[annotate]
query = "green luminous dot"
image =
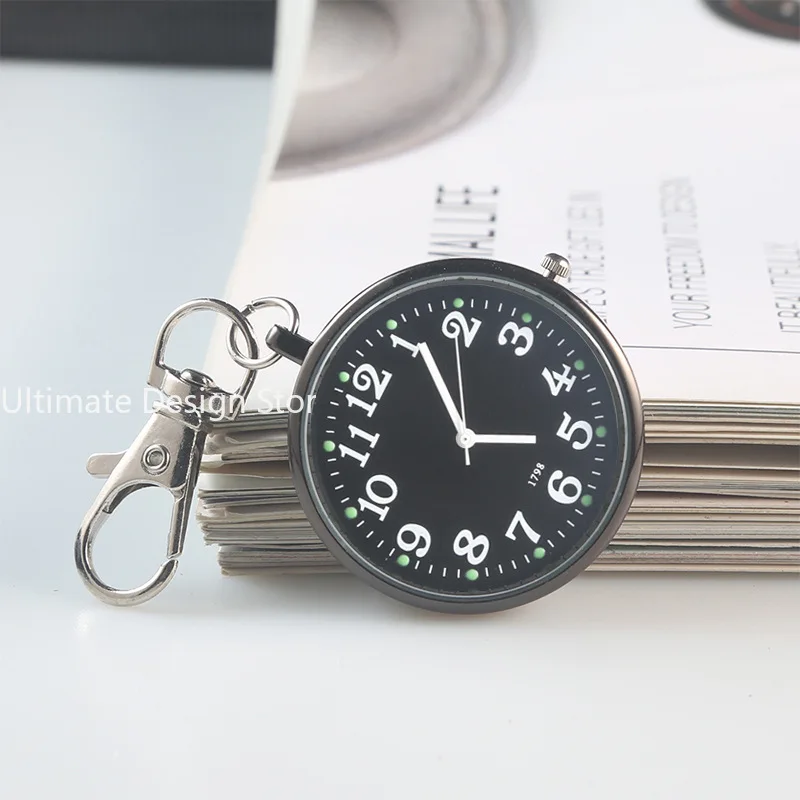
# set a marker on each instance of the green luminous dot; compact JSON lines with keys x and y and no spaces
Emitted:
{"x":539,"y":552}
{"x":586,"y":500}
{"x":403,"y":560}
{"x":344,"y":376}
{"x":328,"y":446}
{"x":350,"y":512}
{"x":458,"y":302}
{"x":391,"y":324}
{"x":526,"y":317}
{"x":579,"y":364}
{"x":601,"y":431}
{"x":471,"y":574}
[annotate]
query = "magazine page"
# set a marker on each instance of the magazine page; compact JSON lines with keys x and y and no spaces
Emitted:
{"x":678,"y":207}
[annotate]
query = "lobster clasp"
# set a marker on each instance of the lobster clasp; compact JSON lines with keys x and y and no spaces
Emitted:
{"x":166,"y":454}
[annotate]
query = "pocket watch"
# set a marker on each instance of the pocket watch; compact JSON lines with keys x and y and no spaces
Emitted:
{"x":474,"y":437}
{"x":471,"y":436}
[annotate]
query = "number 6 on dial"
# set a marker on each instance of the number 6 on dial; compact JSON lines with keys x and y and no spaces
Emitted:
{"x":559,"y":493}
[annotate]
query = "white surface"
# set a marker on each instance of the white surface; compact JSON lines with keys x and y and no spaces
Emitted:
{"x":656,"y":688}
{"x":621,"y":687}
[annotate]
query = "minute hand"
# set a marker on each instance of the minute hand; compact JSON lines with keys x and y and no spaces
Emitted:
{"x":441,"y":387}
{"x":501,"y":438}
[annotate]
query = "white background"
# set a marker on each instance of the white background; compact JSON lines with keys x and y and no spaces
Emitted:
{"x":117,"y":208}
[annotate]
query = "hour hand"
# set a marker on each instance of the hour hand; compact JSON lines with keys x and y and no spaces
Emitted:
{"x":499,"y":438}
{"x":441,"y":387}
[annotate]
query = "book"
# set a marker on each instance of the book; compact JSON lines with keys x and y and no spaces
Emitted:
{"x":670,"y":186}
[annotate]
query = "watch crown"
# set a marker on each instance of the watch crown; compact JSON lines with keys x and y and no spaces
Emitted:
{"x":555,"y":266}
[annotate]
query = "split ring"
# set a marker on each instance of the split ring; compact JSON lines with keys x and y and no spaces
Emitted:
{"x":262,"y":302}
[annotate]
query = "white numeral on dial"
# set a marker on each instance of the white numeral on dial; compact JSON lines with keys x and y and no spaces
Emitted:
{"x":362,"y":458}
{"x":359,"y":403}
{"x":511,"y":332}
{"x":475,"y":548}
{"x":380,"y":500}
{"x":559,"y":493}
{"x":414,"y":537}
{"x":558,"y":380}
{"x":357,"y":433}
{"x":398,"y":341}
{"x":455,"y":324}
{"x":567,"y":430}
{"x":366,"y":377}
{"x":520,"y":520}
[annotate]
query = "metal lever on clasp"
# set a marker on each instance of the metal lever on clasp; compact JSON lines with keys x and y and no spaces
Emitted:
{"x":166,"y":454}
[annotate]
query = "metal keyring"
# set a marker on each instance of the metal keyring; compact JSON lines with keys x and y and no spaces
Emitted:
{"x":251,"y":308}
{"x":238,"y":320}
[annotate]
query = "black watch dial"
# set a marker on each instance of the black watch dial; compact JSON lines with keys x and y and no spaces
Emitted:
{"x":468,"y":438}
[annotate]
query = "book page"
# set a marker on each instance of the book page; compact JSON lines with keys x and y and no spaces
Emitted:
{"x":677,"y":202}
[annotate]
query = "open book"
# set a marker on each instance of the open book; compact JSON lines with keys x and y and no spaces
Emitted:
{"x":671,"y":183}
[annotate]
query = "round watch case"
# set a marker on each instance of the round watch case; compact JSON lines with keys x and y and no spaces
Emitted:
{"x":315,"y":363}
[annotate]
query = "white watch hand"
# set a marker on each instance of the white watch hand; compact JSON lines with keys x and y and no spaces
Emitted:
{"x":500,"y":438}
{"x":438,"y":382}
{"x":461,"y":397}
